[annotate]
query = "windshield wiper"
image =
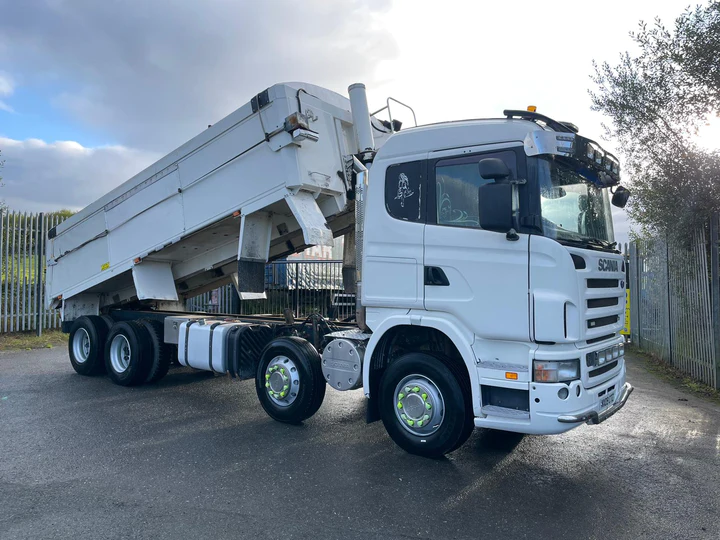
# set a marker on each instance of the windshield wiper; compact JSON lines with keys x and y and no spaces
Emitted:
{"x":586,"y":243}
{"x":603,"y":243}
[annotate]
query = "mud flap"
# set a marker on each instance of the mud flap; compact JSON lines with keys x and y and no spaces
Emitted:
{"x":255,"y":232}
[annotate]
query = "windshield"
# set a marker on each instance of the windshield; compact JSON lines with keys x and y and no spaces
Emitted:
{"x":573,"y":208}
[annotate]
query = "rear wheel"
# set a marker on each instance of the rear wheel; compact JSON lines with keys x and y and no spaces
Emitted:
{"x":128,"y":353}
{"x":86,"y":343}
{"x":161,"y":353}
{"x":423,"y":405}
{"x":289,"y":380}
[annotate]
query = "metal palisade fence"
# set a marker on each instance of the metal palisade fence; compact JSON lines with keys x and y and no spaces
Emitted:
{"x":674,"y":302}
{"x":303,"y":286}
{"x":23,"y":264}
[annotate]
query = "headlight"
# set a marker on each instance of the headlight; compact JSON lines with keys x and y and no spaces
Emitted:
{"x":551,"y":372}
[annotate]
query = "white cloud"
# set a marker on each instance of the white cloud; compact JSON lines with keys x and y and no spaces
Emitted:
{"x":152,"y":74}
{"x":7,"y":87}
{"x":40,"y":176}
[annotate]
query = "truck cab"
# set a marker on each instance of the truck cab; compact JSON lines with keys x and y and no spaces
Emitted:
{"x":496,"y":238}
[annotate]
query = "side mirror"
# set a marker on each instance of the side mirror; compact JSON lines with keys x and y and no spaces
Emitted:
{"x":493,"y":169}
{"x":495,"y":206}
{"x":620,"y":197}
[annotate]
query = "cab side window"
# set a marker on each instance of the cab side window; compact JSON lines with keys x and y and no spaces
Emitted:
{"x":456,"y":188}
{"x":404,"y":197}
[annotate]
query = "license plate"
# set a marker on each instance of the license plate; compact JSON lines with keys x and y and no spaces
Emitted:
{"x":607,"y":400}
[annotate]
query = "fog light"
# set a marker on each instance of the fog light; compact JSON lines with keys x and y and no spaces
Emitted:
{"x":563,"y":393}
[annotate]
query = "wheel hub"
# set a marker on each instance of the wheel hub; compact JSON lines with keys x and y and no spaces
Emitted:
{"x":419,"y":405}
{"x":279,"y":382}
{"x":282,"y":381}
{"x":120,"y":353}
{"x":81,"y":346}
{"x":414,"y":407}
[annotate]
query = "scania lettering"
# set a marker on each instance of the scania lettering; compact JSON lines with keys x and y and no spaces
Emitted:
{"x":607,"y":265}
{"x":488,"y":289}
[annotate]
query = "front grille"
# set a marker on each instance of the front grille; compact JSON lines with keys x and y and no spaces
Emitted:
{"x":604,"y":369}
{"x":602,"y":321}
{"x":597,"y":283}
{"x":602,"y":302}
{"x":599,"y":339}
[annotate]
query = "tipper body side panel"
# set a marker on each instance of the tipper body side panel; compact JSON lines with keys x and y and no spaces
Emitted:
{"x":185,"y":211}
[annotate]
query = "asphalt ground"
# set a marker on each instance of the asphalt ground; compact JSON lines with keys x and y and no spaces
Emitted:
{"x":195,"y":456}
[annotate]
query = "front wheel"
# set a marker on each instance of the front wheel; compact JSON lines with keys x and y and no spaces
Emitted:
{"x":289,"y":380}
{"x":423,"y":405}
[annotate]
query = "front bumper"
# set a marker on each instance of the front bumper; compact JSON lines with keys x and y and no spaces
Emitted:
{"x":550,"y":414}
{"x":594,"y":417}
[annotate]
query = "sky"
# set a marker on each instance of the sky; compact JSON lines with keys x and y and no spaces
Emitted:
{"x":93,"y":92}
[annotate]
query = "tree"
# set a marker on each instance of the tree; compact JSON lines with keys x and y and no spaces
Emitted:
{"x":657,"y":100}
{"x":63,"y":214}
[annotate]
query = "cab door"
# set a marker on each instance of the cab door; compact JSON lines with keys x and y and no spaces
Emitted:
{"x":480,"y":277}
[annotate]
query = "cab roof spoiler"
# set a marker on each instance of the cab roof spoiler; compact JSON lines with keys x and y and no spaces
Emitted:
{"x":563,"y":127}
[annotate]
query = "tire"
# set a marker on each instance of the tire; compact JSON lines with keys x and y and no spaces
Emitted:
{"x":161,"y":353}
{"x":128,"y":353}
{"x":108,"y":321}
{"x":432,"y":415}
{"x":86,"y":345}
{"x":464,"y":380}
{"x":288,"y":353}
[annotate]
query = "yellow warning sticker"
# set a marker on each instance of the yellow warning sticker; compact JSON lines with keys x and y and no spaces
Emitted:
{"x":105,"y":267}
{"x":626,"y":329}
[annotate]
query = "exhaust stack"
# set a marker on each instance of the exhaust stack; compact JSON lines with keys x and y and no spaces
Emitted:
{"x":361,"y":118}
{"x":366,"y":148}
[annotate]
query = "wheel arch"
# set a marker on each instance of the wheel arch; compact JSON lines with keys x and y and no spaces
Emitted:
{"x":378,"y":354}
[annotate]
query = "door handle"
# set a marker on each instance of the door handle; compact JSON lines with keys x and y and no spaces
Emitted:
{"x":434,"y":275}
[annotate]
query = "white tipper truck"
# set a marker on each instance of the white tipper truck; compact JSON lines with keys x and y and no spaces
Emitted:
{"x":489,"y":290}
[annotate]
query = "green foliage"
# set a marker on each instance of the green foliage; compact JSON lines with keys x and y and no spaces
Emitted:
{"x":62,"y":214}
{"x":656,"y":101}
